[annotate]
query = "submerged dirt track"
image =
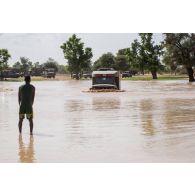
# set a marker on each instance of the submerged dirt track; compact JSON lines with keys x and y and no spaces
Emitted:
{"x":152,"y":121}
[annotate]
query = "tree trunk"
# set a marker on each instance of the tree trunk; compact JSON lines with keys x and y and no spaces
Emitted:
{"x":142,"y":70}
{"x":77,"y":76}
{"x":154,"y":74}
{"x":1,"y":76}
{"x":190,"y":72}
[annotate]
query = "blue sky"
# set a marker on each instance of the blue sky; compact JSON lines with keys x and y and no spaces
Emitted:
{"x":41,"y":46}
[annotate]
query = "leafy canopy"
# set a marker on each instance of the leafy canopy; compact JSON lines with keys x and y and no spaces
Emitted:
{"x":181,"y":48}
{"x":4,"y":57}
{"x":51,"y":63}
{"x":107,"y":60}
{"x":78,"y":57}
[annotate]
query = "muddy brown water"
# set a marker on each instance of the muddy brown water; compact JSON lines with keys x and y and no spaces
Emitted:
{"x":153,"y":121}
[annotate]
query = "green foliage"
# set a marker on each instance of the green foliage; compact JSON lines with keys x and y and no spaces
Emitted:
{"x":121,"y":62}
{"x":24,"y":64}
{"x":17,"y":65}
{"x":168,"y":61}
{"x":78,"y":57}
{"x":37,"y":65}
{"x":134,"y":56}
{"x":51,"y":63}
{"x":180,"y":48}
{"x":4,"y":57}
{"x":145,"y":55}
{"x":62,"y":69}
{"x":107,"y":60}
{"x":150,"y":53}
{"x":122,"y":51}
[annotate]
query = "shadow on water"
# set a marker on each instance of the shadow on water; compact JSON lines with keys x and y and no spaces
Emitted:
{"x":26,"y":153}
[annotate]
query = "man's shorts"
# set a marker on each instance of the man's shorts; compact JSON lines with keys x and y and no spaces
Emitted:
{"x":26,"y":110}
{"x":28,"y":116}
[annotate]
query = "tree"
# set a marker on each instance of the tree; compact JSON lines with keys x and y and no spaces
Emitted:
{"x":181,"y":49}
{"x":4,"y":57}
{"x":134,"y":56}
{"x":37,"y":65}
{"x":51,"y":63}
{"x":121,"y":62}
{"x":150,"y":54}
{"x":107,"y":60}
{"x":122,"y":51}
{"x":17,"y":65}
{"x":169,"y":62}
{"x":24,"y":64}
{"x":62,"y":69}
{"x":78,"y":57}
{"x":145,"y":55}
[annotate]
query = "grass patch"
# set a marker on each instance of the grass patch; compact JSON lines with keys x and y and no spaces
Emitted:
{"x":40,"y":78}
{"x":160,"y":77}
{"x":147,"y":77}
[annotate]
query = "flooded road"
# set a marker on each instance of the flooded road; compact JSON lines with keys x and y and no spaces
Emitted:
{"x":153,"y":121}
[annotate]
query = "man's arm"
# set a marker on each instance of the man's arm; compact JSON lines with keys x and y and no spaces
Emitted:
{"x":19,"y":96}
{"x":33,"y":95}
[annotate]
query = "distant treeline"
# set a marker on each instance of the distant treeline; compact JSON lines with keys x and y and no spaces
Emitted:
{"x":175,"y":52}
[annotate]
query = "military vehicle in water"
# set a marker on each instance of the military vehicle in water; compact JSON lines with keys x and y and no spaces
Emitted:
{"x":49,"y":73}
{"x":36,"y":72}
{"x":106,"y":78}
{"x":126,"y":74}
{"x":10,"y":73}
{"x":87,"y":75}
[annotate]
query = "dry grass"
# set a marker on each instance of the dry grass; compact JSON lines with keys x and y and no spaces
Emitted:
{"x":59,"y":77}
{"x":64,"y":77}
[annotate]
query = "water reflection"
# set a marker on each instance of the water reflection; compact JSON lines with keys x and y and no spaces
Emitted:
{"x":108,"y":103}
{"x":74,"y":113}
{"x":150,"y":122}
{"x":26,"y":153}
{"x":74,"y":105}
{"x":147,"y":108}
{"x":179,"y":115}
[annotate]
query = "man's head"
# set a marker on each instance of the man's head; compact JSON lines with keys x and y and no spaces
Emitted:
{"x":27,"y":79}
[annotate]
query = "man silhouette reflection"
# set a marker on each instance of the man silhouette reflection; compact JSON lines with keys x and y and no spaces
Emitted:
{"x":26,"y":153}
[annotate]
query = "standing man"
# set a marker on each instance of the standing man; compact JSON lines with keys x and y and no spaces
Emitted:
{"x":26,"y":96}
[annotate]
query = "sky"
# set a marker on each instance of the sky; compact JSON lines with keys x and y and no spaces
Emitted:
{"x":38,"y":47}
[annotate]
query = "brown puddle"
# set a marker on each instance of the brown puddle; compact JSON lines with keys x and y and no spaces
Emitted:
{"x":152,"y":121}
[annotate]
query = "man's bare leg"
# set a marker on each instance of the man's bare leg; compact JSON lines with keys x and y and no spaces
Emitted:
{"x":31,"y":125}
{"x":20,"y":125}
